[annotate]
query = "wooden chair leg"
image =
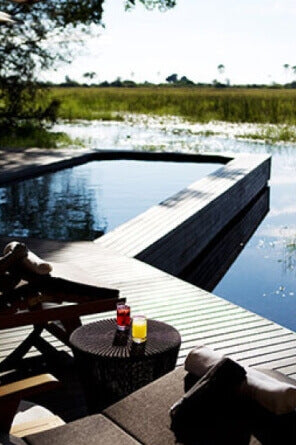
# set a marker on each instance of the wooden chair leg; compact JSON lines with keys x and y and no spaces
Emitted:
{"x":14,"y":358}
{"x":63,"y":329}
{"x":70,"y":324}
{"x":7,"y":413}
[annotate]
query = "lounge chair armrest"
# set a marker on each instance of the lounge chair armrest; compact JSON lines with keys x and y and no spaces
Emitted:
{"x":29,"y":386}
{"x":12,"y":393}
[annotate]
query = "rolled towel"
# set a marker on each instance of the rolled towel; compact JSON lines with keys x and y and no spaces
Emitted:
{"x":277,"y":397}
{"x":31,"y":261}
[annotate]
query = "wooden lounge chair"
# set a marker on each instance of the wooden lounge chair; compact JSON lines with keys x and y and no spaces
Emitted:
{"x":55,"y":303}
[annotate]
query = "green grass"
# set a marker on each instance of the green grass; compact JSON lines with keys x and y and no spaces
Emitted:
{"x":273,"y":134}
{"x":262,"y":106}
{"x":28,"y":136}
{"x":195,"y":104}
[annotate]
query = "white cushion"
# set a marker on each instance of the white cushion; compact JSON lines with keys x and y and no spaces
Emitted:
{"x":277,"y":396}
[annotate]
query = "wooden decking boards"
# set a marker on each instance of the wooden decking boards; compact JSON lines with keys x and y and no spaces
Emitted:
{"x":200,"y":316}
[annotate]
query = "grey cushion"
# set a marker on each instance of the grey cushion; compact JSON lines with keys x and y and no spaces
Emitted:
{"x":145,"y":413}
{"x":91,"y":430}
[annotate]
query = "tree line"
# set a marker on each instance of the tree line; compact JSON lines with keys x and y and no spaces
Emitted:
{"x":173,"y":80}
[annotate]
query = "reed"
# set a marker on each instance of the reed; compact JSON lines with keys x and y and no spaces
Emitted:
{"x":195,"y":104}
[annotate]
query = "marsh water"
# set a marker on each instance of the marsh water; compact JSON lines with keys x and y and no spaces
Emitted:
{"x":262,"y":277}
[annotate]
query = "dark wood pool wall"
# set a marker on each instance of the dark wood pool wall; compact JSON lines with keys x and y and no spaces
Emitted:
{"x":171,"y":234}
{"x":210,"y":266}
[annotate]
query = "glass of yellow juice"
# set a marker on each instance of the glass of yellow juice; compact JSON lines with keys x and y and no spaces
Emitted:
{"x":139,"y":328}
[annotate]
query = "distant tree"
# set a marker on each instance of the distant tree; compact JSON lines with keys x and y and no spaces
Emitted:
{"x":286,"y":67}
{"x":185,"y":81}
{"x":116,"y":83}
{"x":293,"y":68}
{"x":173,"y":78}
{"x":90,"y":75}
{"x":70,"y":82}
{"x":218,"y":84}
{"x":128,"y":83}
{"x":221,"y":68}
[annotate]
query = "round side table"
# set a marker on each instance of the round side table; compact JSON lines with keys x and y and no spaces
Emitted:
{"x":111,"y":366}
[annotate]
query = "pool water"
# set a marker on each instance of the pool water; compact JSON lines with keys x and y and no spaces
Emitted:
{"x":84,"y":202}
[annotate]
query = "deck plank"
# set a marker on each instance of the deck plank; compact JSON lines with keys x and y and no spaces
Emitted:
{"x":200,"y":316}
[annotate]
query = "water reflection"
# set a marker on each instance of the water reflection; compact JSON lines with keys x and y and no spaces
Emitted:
{"x":289,"y":256}
{"x":211,"y":265}
{"x":52,"y":206}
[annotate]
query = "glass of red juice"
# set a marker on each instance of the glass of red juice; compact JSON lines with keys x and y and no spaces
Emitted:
{"x":123,"y":316}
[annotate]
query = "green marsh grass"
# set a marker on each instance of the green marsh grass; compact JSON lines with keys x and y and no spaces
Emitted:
{"x":273,"y":134}
{"x":195,"y":104}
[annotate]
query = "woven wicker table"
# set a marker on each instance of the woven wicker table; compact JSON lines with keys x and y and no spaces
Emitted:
{"x":111,"y":366}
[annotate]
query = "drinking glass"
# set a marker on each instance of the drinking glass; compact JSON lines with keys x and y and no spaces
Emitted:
{"x":123,"y":316}
{"x":139,"y":328}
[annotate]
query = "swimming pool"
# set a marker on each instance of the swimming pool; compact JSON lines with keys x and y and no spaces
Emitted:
{"x":86,"y":201}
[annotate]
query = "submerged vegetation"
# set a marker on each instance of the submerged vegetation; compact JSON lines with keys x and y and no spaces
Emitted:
{"x":271,"y":134}
{"x":195,"y":104}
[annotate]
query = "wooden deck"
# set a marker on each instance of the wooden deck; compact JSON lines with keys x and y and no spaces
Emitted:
{"x":201,"y":317}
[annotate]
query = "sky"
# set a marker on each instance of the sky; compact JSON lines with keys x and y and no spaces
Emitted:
{"x":252,"y":39}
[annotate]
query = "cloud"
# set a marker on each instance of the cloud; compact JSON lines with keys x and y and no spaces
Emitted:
{"x":283,"y":179}
{"x":285,"y":7}
{"x":289,"y":210}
